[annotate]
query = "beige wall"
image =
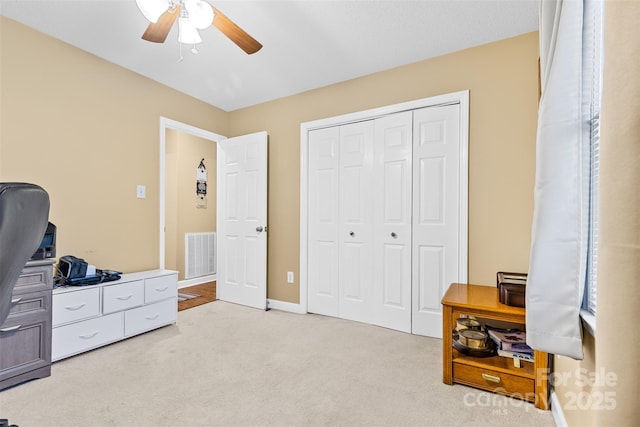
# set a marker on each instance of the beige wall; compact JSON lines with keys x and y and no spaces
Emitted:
{"x":502,"y":79}
{"x":619,"y":256}
{"x":568,"y":382}
{"x":87,"y":131}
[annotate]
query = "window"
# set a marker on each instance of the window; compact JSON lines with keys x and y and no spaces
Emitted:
{"x":593,"y":48}
{"x":590,"y":300}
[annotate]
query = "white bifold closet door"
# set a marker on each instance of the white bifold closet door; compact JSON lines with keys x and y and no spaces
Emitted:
{"x":356,"y":228}
{"x":436,"y":213}
{"x":383,"y":218}
{"x":323,"y":247}
{"x":360,"y":221}
{"x":392,"y":222}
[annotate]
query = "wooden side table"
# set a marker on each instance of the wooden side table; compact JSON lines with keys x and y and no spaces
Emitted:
{"x":496,"y":373}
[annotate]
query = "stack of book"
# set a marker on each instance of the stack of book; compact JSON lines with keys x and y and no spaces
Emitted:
{"x":511,"y":343}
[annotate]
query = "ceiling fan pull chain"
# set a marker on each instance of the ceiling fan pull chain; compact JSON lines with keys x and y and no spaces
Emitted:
{"x":180,"y":50}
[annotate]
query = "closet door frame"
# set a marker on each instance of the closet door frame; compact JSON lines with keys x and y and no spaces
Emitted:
{"x":461,"y":98}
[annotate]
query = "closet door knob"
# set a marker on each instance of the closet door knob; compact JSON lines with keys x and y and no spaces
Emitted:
{"x":351,"y":233}
{"x":394,"y":235}
{"x":259,"y":229}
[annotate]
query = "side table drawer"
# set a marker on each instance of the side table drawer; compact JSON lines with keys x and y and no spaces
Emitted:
{"x":77,"y":337}
{"x":78,"y":305}
{"x":494,"y":381}
{"x":122,"y":296}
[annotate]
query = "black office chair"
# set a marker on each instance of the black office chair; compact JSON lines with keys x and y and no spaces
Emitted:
{"x":24,"y":215}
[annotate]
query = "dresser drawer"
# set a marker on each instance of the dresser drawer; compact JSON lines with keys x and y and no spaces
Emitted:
{"x":78,"y":337}
{"x":497,"y":382}
{"x":77,"y":305}
{"x":122,"y":296}
{"x":32,"y":303}
{"x":159,"y":288}
{"x":34,"y":279}
{"x":150,"y":316}
{"x":24,"y":344}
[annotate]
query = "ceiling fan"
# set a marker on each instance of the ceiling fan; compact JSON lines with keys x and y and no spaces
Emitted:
{"x":191,"y":15}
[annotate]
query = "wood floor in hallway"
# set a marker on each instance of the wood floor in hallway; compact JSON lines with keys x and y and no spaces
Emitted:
{"x":206,"y":292}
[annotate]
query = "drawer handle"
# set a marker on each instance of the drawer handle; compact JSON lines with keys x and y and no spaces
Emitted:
{"x":16,"y":300}
{"x":162,"y":289}
{"x":89,"y":336}
{"x":125,"y":298}
{"x":492,"y":378}
{"x":11,"y":328}
{"x":154,"y":317}
{"x":75,"y":307}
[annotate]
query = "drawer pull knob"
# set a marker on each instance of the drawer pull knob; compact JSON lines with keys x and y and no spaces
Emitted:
{"x":75,"y":307}
{"x":89,"y":336}
{"x":162,"y":289}
{"x":16,"y":300}
{"x":11,"y":328}
{"x":492,"y":378}
{"x":154,"y":317}
{"x":125,"y":297}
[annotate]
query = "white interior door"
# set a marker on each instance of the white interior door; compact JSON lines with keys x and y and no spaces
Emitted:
{"x":392,"y":221}
{"x":436,"y":213}
{"x":242,"y":220}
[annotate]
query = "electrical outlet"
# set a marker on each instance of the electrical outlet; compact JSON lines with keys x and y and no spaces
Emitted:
{"x":289,"y":276}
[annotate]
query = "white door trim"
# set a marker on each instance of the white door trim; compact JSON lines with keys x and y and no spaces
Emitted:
{"x":166,"y":123}
{"x":461,"y":98}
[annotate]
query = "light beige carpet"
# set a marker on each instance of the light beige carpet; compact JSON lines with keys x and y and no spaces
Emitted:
{"x":229,"y":365}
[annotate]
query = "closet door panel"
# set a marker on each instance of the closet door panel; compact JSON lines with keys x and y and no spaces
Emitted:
{"x":436,"y":208}
{"x":392,"y":221}
{"x":355,"y":205}
{"x":323,"y":245}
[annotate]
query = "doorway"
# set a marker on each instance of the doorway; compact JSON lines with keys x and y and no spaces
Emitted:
{"x":240,"y":202}
{"x":181,"y":209}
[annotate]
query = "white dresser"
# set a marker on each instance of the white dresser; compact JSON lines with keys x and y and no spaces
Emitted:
{"x":87,"y":317}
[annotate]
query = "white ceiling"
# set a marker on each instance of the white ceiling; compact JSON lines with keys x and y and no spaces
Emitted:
{"x":307,"y":44}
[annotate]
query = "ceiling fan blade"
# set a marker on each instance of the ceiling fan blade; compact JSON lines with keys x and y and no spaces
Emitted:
{"x":235,"y":33}
{"x":159,"y":31}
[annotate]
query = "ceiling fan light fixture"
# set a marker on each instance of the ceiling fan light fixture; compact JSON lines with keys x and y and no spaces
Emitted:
{"x":152,"y":9}
{"x":187,"y":32}
{"x":191,"y":16}
{"x":200,"y":13}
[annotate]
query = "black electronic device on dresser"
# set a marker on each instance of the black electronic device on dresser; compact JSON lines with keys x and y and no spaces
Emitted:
{"x":47,"y":248}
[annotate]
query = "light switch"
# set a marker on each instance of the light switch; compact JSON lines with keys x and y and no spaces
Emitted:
{"x":289,"y":276}
{"x":141,"y":192}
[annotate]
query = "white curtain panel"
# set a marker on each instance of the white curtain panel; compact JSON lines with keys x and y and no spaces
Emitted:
{"x":559,"y":237}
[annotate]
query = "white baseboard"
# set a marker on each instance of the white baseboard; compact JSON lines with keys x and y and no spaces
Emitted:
{"x":196,"y":281}
{"x":285,"y":306}
{"x":556,"y":411}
